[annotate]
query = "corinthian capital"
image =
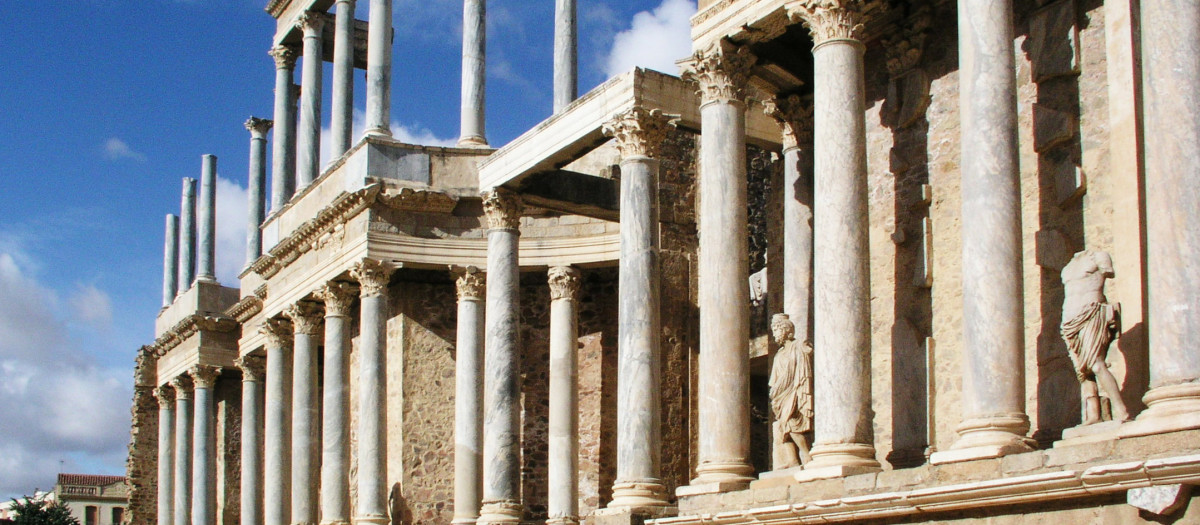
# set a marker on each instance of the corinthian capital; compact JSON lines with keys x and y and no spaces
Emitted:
{"x":372,"y":276}
{"x":469,"y":283}
{"x":204,"y":376}
{"x":337,"y":297}
{"x":721,"y":72}
{"x":258,"y":127}
{"x":828,"y":19}
{"x":639,"y":132}
{"x":564,"y":282}
{"x":278,"y":332}
{"x":252,"y":368}
{"x":182,"y":384}
{"x":305,"y":316}
{"x":165,"y":396}
{"x":503,"y":209}
{"x":285,"y":56}
{"x":312,"y":23}
{"x":795,"y":116}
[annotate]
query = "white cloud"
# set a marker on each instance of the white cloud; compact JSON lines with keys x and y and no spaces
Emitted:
{"x":655,"y":40}
{"x":233,"y":201}
{"x":117,"y":149}
{"x":93,"y":306}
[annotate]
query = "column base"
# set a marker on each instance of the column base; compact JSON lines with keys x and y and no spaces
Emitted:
{"x":378,"y":132}
{"x":638,"y":495}
{"x":986,"y":438}
{"x":611,"y":516}
{"x":1169,"y":408}
{"x":859,"y":457}
{"x":336,"y":522}
{"x":472,"y":141}
{"x":372,"y":519}
{"x":563,"y":520}
{"x":500,"y":511}
{"x":724,"y":473}
{"x":463,"y":521}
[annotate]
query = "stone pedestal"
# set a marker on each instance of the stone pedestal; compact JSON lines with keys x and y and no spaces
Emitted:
{"x":277,"y":441}
{"x":474,"y":63}
{"x":468,"y":397}
{"x":251,"y":481}
{"x":284,"y":147}
{"x":335,"y":405}
{"x":204,"y":446}
{"x":566,"y":75}
{"x":256,"y":187}
{"x":373,"y":277}
{"x":166,"y":452}
{"x":563,"y":471}
{"x":379,"y":68}
{"x":308,"y":133}
{"x":306,"y":439}
{"x":182,"y":507}
{"x":341,"y":118}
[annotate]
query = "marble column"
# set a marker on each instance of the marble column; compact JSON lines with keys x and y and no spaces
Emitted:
{"x":182,"y":488}
{"x":306,"y":440}
{"x":335,"y":406}
{"x":308,"y":133}
{"x":794,"y":115}
{"x":283,"y":150}
{"x":170,"y":260}
{"x":844,"y":439}
{"x":187,"y":236}
{"x":206,"y":225}
{"x":341,"y":116}
{"x":166,"y":452}
{"x":204,"y":446}
{"x":256,"y":182}
{"x":639,"y":134}
{"x":373,"y":278}
{"x":993,"y":360}
{"x":252,"y":439}
{"x":468,"y":396}
{"x":277,"y":441}
{"x":474,"y":63}
{"x":566,"y":73}
{"x":563,"y":457}
{"x":724,"y":369}
{"x":502,"y":355}
{"x":379,"y":68}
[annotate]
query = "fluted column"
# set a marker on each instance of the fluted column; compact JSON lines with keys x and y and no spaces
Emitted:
{"x":468,"y":397}
{"x":502,"y":355}
{"x":308,"y":134}
{"x":306,"y":440}
{"x":166,"y":452}
{"x":256,"y":182}
{"x":639,"y":134}
{"x":283,"y":150}
{"x":794,"y":115}
{"x":277,"y":441}
{"x":566,"y":72}
{"x":204,"y":446}
{"x":373,"y":277}
{"x":335,"y":405}
{"x":170,"y":260}
{"x":182,"y":508}
{"x":724,"y":383}
{"x":379,"y":68}
{"x":252,"y":439}
{"x":187,"y":236}
{"x":993,"y":365}
{"x":563,"y":459}
{"x":341,"y":116}
{"x":474,"y":80}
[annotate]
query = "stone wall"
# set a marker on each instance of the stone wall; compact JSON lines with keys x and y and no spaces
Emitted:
{"x":228,"y":397}
{"x":141,"y":465}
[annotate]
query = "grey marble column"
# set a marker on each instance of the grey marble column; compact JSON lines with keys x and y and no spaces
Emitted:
{"x":308,"y":133}
{"x":502,"y":355}
{"x":379,"y":68}
{"x":206,"y":225}
{"x":468,"y":397}
{"x":843,"y":436}
{"x":277,"y":441}
{"x":1170,"y":75}
{"x":187,"y":237}
{"x":794,"y":115}
{"x":252,"y":439}
{"x":724,"y":369}
{"x":166,"y":452}
{"x":566,"y":73}
{"x":639,"y":134}
{"x":474,"y":79}
{"x":306,"y":439}
{"x":183,"y":450}
{"x":335,"y":406}
{"x":284,"y":148}
{"x":170,"y":260}
{"x":563,"y":456}
{"x":256,"y":182}
{"x":204,"y":446}
{"x":341,"y":116}
{"x":373,"y":278}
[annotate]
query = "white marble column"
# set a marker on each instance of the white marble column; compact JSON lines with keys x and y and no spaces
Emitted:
{"x":566,"y":73}
{"x":204,"y":446}
{"x":187,"y":236}
{"x":795,"y":115}
{"x":283,"y":150}
{"x":639,"y":134}
{"x":502,"y":355}
{"x":379,"y":68}
{"x":277,"y":441}
{"x":166,"y":452}
{"x":372,"y":504}
{"x":563,"y":454}
{"x":252,"y":439}
{"x":724,"y":369}
{"x":170,"y":260}
{"x":843,"y":435}
{"x":468,"y":396}
{"x":308,"y":133}
{"x":183,"y":450}
{"x":206,"y":225}
{"x":474,"y":79}
{"x":256,"y":182}
{"x":335,"y":405}
{"x":306,"y":419}
{"x":341,"y":116}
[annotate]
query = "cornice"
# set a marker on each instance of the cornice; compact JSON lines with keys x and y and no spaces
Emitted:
{"x":305,"y":238}
{"x":245,"y":309}
{"x":188,"y":327}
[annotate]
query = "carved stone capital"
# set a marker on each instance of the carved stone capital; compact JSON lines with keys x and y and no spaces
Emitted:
{"x":258,"y":127}
{"x":372,"y":276}
{"x":503,"y":209}
{"x":204,"y":376}
{"x":639,"y":132}
{"x":165,"y":396}
{"x":470,"y":283}
{"x":721,"y":72}
{"x":829,"y":19}
{"x":564,"y":282}
{"x":285,"y":56}
{"x":795,"y":116}
{"x":338,"y":298}
{"x":253,"y":368}
{"x":906,"y":45}
{"x":305,"y":316}
{"x":278,"y":332}
{"x":182,"y":385}
{"x":312,"y":23}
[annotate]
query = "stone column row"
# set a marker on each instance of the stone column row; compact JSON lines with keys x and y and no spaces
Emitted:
{"x":468,"y":396}
{"x":186,"y":448}
{"x":251,"y":498}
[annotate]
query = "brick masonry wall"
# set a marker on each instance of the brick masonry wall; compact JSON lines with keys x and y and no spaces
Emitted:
{"x":141,"y":466}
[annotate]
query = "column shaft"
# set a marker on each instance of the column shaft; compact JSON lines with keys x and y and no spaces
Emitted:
{"x":306,"y":419}
{"x":283,"y":149}
{"x":166,"y":454}
{"x":566,"y":74}
{"x":170,"y":260}
{"x":468,"y":397}
{"x":335,"y":415}
{"x":798,"y":239}
{"x":474,"y":79}
{"x":342,"y":113}
{"x":207,"y":224}
{"x":379,"y":68}
{"x":372,"y":400}
{"x":183,"y":453}
{"x":277,"y":443}
{"x":187,"y":236}
{"x":204,"y":450}
{"x":252,"y":440}
{"x":563,"y":457}
{"x":308,"y":134}
{"x":256,"y":182}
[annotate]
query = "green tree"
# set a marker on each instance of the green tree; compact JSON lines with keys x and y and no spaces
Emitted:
{"x":39,"y":512}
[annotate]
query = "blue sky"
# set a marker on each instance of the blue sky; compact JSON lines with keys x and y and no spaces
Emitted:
{"x":106,"y":104}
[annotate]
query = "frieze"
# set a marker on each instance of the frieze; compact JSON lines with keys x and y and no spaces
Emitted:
{"x":309,"y":234}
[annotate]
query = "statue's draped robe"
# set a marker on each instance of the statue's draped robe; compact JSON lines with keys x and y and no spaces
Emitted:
{"x":791,"y":391}
{"x":1088,"y":336}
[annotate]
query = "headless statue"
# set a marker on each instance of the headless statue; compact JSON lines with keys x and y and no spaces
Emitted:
{"x":791,"y":392}
{"x":1090,"y":325}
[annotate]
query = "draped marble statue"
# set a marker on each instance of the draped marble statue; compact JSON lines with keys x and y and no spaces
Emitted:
{"x":1090,"y":325}
{"x":791,"y":393}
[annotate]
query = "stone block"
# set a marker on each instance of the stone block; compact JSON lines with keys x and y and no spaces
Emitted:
{"x":1083,"y":453}
{"x":838,"y":471}
{"x":1052,"y":127}
{"x":770,"y":495}
{"x":1070,"y":181}
{"x":1161,"y":499}
{"x":894,"y":479}
{"x":861,"y":482}
{"x":1053,"y":45}
{"x":1053,"y":251}
{"x":968,"y":470}
{"x":1019,"y":463}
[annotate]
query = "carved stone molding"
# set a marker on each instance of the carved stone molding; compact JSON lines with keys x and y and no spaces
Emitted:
{"x":795,"y":116}
{"x":204,"y":376}
{"x":469,"y":282}
{"x":245,"y":309}
{"x":721,"y":72}
{"x":503,"y":209}
{"x":829,"y":19}
{"x":419,"y":200}
{"x":338,"y":297}
{"x":312,"y":23}
{"x":188,"y":327}
{"x":253,"y":368}
{"x":258,"y":127}
{"x":372,"y":276}
{"x":165,"y":396}
{"x":639,"y":132}
{"x":308,"y":235}
{"x":285,"y":56}
{"x":564,"y":282}
{"x":305,"y":316}
{"x":278,"y":332}
{"x":182,"y":385}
